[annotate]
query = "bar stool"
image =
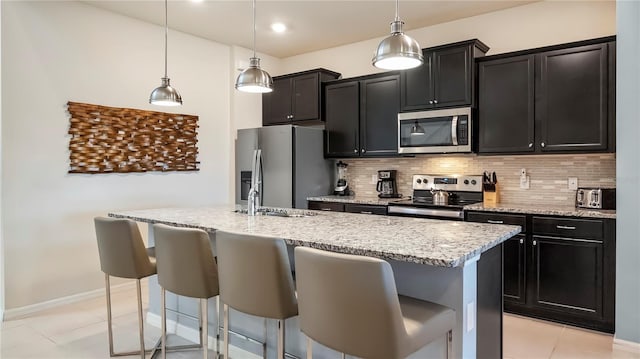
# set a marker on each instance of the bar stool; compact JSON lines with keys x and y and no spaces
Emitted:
{"x":185,"y":267}
{"x":253,"y":267}
{"x":123,"y":254}
{"x":349,"y":303}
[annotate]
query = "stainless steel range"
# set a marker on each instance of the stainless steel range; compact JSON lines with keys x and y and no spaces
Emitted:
{"x":442,"y":197}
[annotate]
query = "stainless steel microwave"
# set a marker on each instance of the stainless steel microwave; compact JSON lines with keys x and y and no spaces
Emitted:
{"x":437,"y":131}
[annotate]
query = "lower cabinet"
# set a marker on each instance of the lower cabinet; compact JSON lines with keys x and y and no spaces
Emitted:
{"x":559,"y":268}
{"x":348,"y":207}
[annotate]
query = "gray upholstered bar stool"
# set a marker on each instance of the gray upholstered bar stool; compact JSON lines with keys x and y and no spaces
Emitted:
{"x":349,"y":303}
{"x":253,"y":267}
{"x":123,"y":254}
{"x":186,"y":267}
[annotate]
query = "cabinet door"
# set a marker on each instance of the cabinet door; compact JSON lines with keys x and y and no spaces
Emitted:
{"x":452,"y":76}
{"x":572,"y":99}
{"x":514,"y":264}
{"x":506,"y":105}
{"x":342,"y":115}
{"x":305,"y":99}
{"x":277,"y":104}
{"x":568,"y":276}
{"x":417,"y":86}
{"x":379,"y":107}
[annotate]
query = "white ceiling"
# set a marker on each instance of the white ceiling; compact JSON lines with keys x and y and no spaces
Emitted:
{"x":312,"y":24}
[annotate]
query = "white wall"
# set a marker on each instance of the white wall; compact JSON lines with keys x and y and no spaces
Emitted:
{"x":519,"y":28}
{"x":1,"y":237}
{"x":54,"y":52}
{"x":628,"y":172}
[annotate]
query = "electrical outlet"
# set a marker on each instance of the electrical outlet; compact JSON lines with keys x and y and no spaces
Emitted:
{"x":572,"y":183}
{"x":524,"y":182}
{"x":471,"y":316}
{"x":374,"y":179}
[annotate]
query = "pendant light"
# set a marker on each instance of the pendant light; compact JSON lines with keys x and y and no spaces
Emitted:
{"x":398,"y":51}
{"x":416,"y":129}
{"x":165,"y":95}
{"x":253,"y":78}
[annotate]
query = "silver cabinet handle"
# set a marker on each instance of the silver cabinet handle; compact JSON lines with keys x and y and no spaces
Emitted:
{"x":430,"y":102}
{"x":494,"y":222}
{"x":566,"y":227}
{"x":530,"y":144}
{"x":521,"y":241}
{"x":325,"y":209}
{"x":542,"y":144}
{"x":435,"y":101}
{"x":355,"y":150}
{"x":363,"y":150}
{"x":366,"y":212}
{"x":535,"y":242}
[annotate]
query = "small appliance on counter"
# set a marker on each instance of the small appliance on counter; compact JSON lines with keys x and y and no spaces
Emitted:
{"x":342,"y":188}
{"x":386,"y":186}
{"x":597,"y":198}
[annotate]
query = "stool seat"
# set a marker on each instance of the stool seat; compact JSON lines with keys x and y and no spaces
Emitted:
{"x":424,"y":322}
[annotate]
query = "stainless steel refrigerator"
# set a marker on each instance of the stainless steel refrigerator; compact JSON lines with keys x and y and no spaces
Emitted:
{"x":293,"y":165}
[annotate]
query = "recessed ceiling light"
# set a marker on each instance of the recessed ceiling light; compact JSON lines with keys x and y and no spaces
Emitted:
{"x":278,"y":27}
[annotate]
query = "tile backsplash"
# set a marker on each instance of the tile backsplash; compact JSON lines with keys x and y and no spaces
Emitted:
{"x":548,"y":174}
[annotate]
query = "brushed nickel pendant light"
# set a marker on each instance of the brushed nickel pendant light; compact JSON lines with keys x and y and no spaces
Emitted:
{"x":254,"y":79}
{"x":417,"y":130}
{"x":398,"y":51}
{"x":165,"y":95}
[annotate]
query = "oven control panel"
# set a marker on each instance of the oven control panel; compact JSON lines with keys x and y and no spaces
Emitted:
{"x":448,"y":182}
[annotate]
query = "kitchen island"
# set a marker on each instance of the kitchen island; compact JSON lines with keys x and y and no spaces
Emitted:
{"x":456,"y":264}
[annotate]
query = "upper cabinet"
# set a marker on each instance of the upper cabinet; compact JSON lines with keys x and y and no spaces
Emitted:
{"x":446,"y":79}
{"x":558,"y":99}
{"x":296,"y":98}
{"x":361,"y":116}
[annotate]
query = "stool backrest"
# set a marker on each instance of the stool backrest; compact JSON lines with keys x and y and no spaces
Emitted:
{"x":185,"y":261}
{"x":255,"y":275}
{"x":121,"y":249}
{"x":349,"y":303}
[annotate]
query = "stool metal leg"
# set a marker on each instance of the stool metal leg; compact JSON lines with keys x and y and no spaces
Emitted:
{"x":309,"y":348}
{"x":449,"y":344}
{"x":280,"y":339}
{"x":225,"y":323}
{"x":140,"y":319}
{"x":163,"y":310}
{"x":108,"y":289}
{"x":343,"y":356}
{"x":204,"y":324}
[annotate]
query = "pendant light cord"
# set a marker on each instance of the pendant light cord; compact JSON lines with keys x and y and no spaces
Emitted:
{"x":254,"y":28}
{"x":397,"y":17}
{"x":166,"y":35}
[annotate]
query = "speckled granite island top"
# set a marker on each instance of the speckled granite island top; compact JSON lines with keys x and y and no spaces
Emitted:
{"x":423,"y":241}
{"x":353,"y":199}
{"x":567,"y":211}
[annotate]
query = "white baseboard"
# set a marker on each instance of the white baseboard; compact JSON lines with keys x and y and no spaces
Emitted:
{"x":626,"y":345}
{"x":38,"y":307}
{"x":193,"y":335}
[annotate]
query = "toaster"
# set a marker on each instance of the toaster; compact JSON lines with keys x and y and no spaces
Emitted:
{"x":599,"y":198}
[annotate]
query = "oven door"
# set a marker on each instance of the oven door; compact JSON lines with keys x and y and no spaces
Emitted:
{"x":434,"y":131}
{"x":433,"y":213}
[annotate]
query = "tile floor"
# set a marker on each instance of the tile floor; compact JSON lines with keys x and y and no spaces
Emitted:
{"x":80,"y":331}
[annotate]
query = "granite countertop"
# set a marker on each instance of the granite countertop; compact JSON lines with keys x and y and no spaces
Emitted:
{"x":424,"y":241}
{"x":568,"y":211}
{"x":353,"y":199}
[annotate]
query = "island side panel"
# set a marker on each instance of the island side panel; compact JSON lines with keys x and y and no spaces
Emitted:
{"x":490,"y":307}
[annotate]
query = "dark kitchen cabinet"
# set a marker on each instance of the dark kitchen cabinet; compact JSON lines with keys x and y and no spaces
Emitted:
{"x":326,"y":206}
{"x":296,"y":98}
{"x":446,"y":79}
{"x":348,"y":207}
{"x":557,"y":99}
{"x":559,"y":268}
{"x":506,"y":105}
{"x":361,"y":116}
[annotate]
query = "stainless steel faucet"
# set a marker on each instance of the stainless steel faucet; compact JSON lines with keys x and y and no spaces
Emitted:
{"x":256,"y":181}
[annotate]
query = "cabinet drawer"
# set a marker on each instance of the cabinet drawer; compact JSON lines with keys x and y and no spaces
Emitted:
{"x":326,"y":206}
{"x":499,"y":218}
{"x":567,"y":227}
{"x":365,"y":209}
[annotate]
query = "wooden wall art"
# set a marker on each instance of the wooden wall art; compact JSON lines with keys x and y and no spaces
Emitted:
{"x":110,"y":139}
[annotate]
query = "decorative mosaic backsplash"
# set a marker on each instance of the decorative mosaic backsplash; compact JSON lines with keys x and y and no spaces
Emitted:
{"x":547,"y":174}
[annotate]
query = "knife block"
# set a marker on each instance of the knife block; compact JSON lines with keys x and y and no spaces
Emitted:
{"x":491,"y":196}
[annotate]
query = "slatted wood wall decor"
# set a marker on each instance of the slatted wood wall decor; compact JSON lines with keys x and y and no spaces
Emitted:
{"x":111,"y":139}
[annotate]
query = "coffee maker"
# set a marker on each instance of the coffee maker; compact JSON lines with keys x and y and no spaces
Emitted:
{"x":342,"y":188}
{"x":386,"y":186}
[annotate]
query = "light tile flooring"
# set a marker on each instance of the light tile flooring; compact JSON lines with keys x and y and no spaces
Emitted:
{"x":80,"y":331}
